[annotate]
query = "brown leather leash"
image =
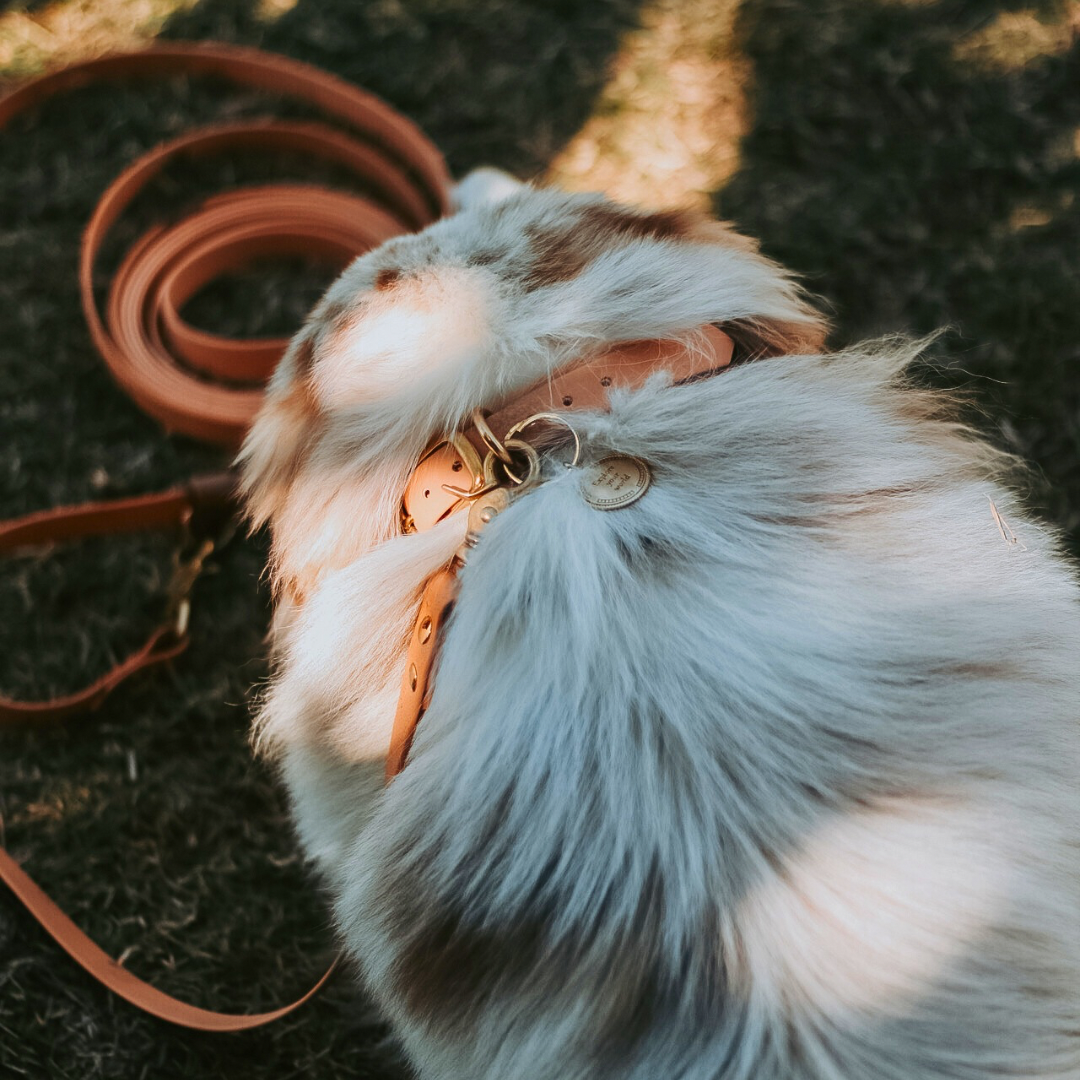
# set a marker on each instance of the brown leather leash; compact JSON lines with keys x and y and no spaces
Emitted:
{"x":111,"y":974}
{"x":200,"y":510}
{"x":203,"y":384}
{"x":161,"y":361}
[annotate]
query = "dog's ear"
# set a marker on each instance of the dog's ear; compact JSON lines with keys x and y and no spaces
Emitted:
{"x":758,"y":338}
{"x":484,"y":187}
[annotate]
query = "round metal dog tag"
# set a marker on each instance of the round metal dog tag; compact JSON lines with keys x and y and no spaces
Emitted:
{"x":615,"y":481}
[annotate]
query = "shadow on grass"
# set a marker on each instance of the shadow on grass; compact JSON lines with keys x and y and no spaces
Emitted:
{"x":490,"y":82}
{"x":918,"y":180}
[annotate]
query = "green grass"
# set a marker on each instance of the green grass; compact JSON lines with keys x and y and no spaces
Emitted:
{"x":912,"y":183}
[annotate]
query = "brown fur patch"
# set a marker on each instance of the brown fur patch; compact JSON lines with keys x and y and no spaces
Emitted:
{"x":450,"y":967}
{"x":561,"y":254}
{"x":293,"y":417}
{"x":707,"y":231}
{"x":299,"y":402}
{"x":486,"y":257}
{"x":837,"y":507}
{"x":304,"y":356}
{"x":386,"y":278}
{"x":330,"y":312}
{"x":447,"y":965}
{"x":999,"y":671}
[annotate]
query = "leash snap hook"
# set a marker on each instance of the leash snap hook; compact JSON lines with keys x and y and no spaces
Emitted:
{"x":188,"y":563}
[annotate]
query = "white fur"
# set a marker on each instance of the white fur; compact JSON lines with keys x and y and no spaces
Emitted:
{"x":484,"y":187}
{"x":770,"y":776}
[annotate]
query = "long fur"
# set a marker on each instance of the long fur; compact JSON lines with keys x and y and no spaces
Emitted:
{"x":769,"y":776}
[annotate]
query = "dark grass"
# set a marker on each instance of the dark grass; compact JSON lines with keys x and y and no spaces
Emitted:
{"x":876,"y":165}
{"x":891,"y":177}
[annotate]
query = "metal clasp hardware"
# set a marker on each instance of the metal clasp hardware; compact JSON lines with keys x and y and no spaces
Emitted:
{"x":186,"y":572}
{"x":501,"y":455}
{"x":511,"y":464}
{"x":494,"y":464}
{"x":188,"y":562}
{"x":482,"y":511}
{"x":553,"y":418}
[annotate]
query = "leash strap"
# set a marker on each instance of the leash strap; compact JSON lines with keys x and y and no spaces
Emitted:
{"x":200,"y":509}
{"x":117,"y":978}
{"x":167,"y":366}
{"x":435,"y":604}
{"x":160,"y":360}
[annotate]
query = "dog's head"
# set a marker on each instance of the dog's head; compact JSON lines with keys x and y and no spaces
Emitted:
{"x":419,"y":332}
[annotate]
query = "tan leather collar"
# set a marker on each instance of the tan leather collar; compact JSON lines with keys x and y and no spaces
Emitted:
{"x":457,"y":462}
{"x":453,"y":463}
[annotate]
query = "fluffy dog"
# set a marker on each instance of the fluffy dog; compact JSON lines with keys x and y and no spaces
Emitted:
{"x":769,"y":776}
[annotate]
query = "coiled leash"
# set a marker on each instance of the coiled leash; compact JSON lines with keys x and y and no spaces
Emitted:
{"x":201,"y":384}
{"x":161,"y":361}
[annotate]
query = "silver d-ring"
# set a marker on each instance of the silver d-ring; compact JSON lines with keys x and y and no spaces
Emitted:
{"x":483,"y":428}
{"x":555,"y":418}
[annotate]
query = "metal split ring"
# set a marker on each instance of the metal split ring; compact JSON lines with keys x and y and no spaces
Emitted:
{"x":500,"y":449}
{"x":555,"y":418}
{"x":489,"y":438}
{"x":532,"y":459}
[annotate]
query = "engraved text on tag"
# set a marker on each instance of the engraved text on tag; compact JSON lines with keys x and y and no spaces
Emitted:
{"x":615,"y":481}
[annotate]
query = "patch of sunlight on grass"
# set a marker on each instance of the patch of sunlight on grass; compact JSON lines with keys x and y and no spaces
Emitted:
{"x":59,"y":803}
{"x":1016,"y":38}
{"x":1029,"y":217}
{"x":1039,"y":215}
{"x":271,"y":10}
{"x":69,"y":30}
{"x":667,"y":126}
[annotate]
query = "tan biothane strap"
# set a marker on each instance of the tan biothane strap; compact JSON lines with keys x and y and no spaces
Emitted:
{"x":203,"y":384}
{"x":198,"y":383}
{"x":439,"y":594}
{"x":579,"y":386}
{"x":117,"y":978}
{"x":584,"y":386}
{"x":200,"y":508}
